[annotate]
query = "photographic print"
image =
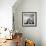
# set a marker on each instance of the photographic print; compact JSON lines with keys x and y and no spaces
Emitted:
{"x":29,"y":19}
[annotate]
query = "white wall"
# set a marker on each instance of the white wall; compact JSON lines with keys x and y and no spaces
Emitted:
{"x":6,"y":13}
{"x":34,"y":33}
{"x":43,"y":22}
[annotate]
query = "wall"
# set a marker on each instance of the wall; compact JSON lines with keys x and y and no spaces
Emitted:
{"x":43,"y":22}
{"x":6,"y":13}
{"x":33,"y":33}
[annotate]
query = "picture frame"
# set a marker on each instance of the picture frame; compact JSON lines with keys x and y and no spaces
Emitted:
{"x":29,"y":19}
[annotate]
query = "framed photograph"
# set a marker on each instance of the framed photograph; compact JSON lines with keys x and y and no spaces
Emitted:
{"x":29,"y":19}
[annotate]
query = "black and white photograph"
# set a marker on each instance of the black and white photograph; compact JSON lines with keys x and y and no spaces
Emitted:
{"x":29,"y":19}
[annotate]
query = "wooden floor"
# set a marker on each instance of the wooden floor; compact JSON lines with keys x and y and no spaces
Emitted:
{"x":9,"y":43}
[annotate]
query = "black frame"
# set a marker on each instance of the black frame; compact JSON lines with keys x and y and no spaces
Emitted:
{"x":35,"y":14}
